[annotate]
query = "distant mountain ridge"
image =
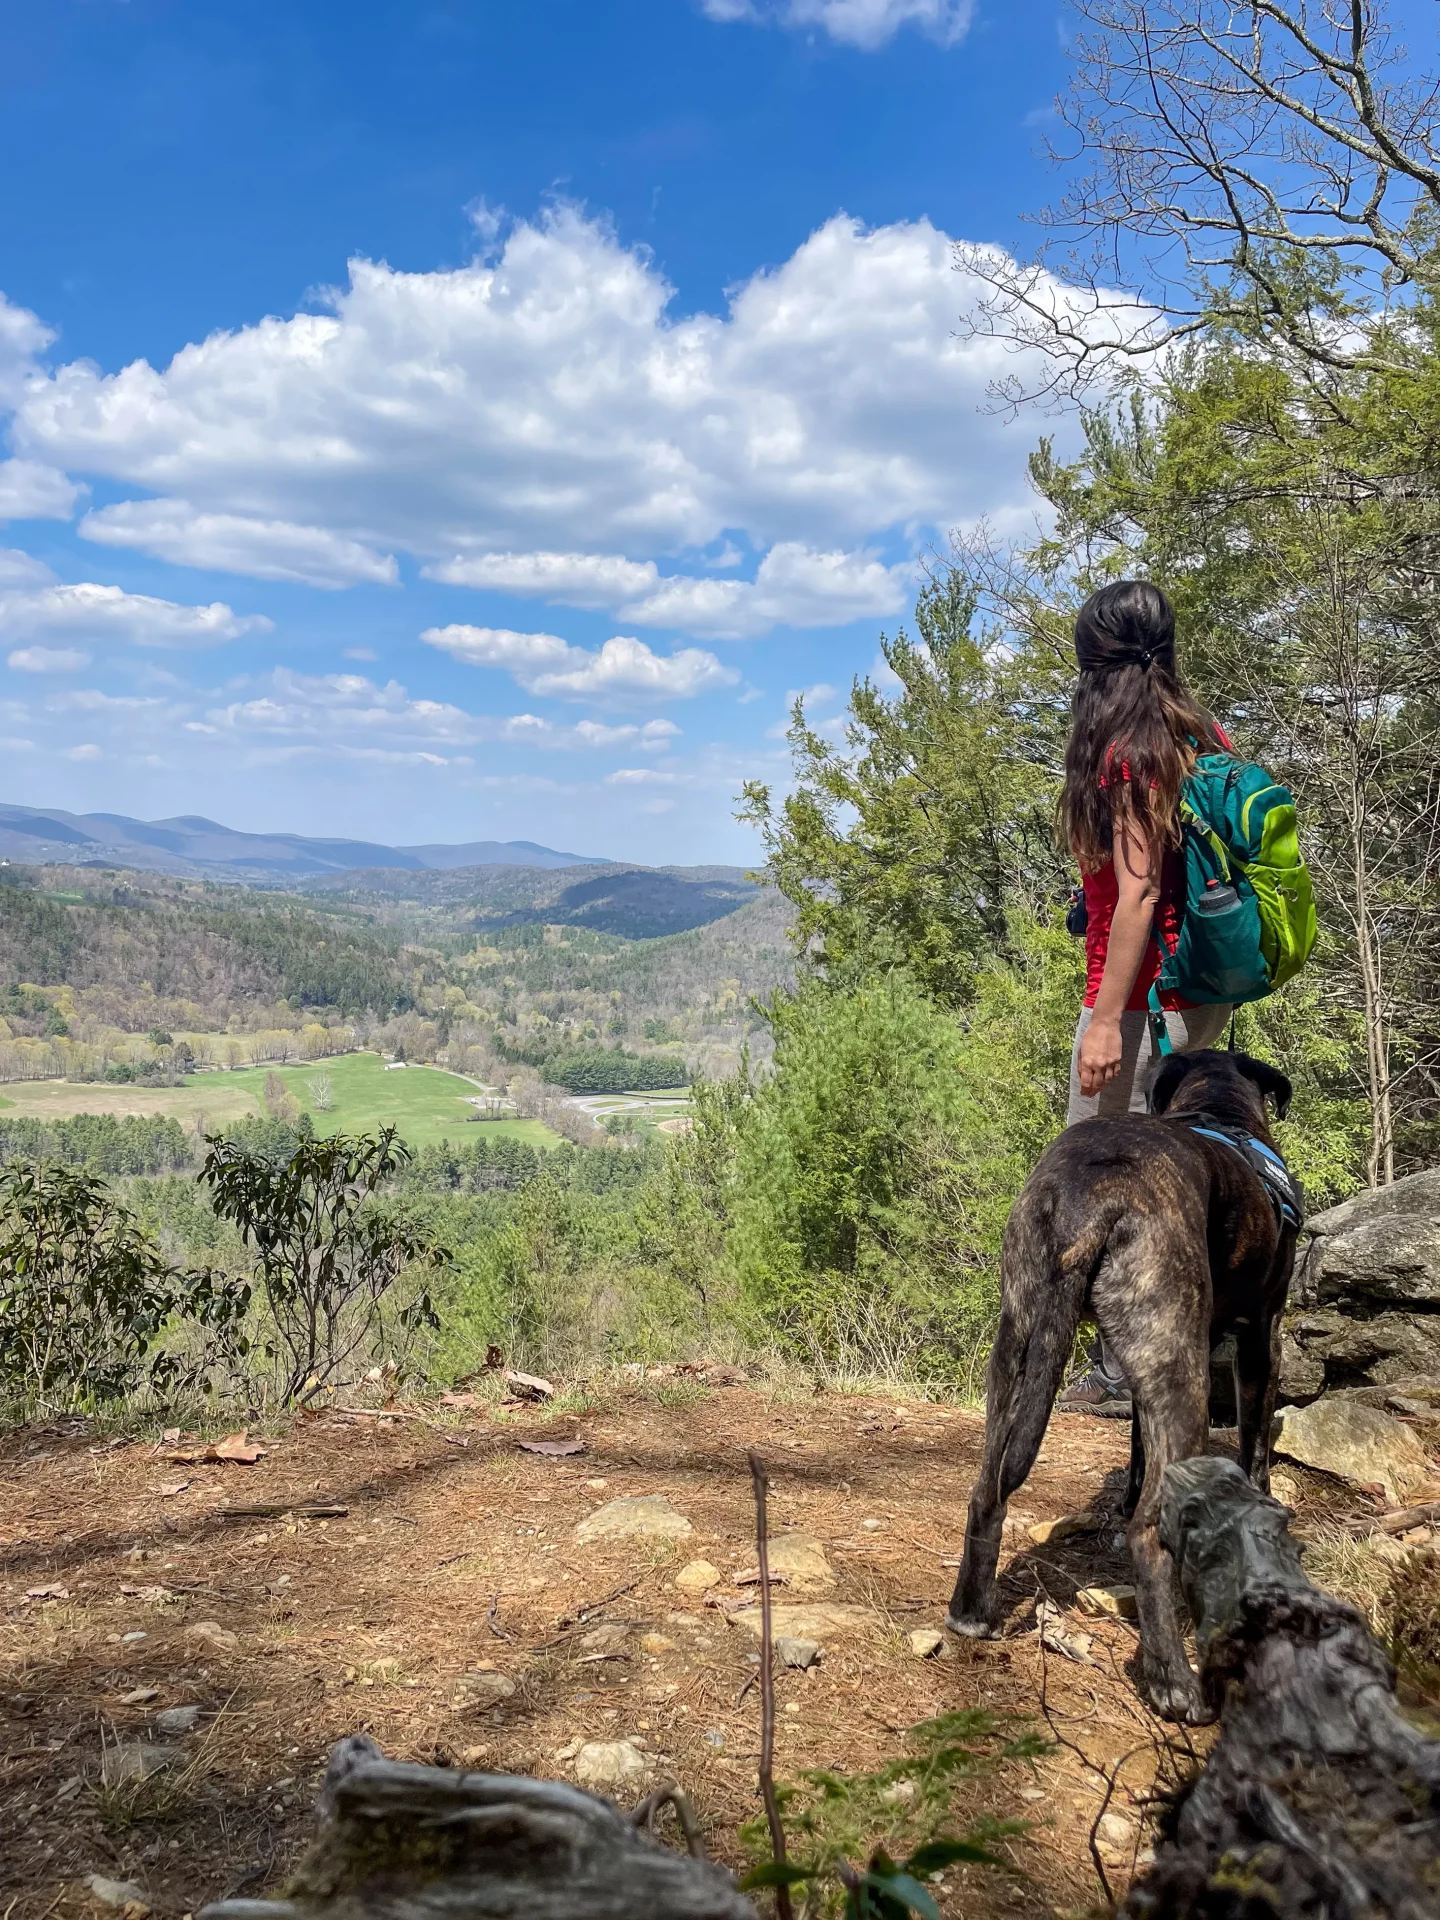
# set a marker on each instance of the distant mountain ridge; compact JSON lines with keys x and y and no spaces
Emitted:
{"x":190,"y":845}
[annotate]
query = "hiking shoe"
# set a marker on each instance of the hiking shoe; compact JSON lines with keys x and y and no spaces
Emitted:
{"x":1088,"y":1393}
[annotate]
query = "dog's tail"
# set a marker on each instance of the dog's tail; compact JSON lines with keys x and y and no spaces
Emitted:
{"x":1045,"y":1292}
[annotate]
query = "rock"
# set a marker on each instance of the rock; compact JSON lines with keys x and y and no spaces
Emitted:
{"x":698,"y":1576}
{"x":123,"y":1895}
{"x":794,"y":1652}
{"x":1057,"y":1637}
{"x":1285,"y":1488}
{"x":1302,"y":1366}
{"x":900,"y":1794}
{"x":1358,"y":1443}
{"x":1047,"y":1532}
{"x":821,"y":1621}
{"x":475,"y":1692}
{"x":1417,"y":1194}
{"x":1368,"y":1286}
{"x":925,"y":1643}
{"x":136,"y":1760}
{"x":601,"y":1765}
{"x":215,"y":1634}
{"x":611,"y":1636}
{"x":800,"y":1558}
{"x":656,"y":1643}
{"x":1332,"y":1345}
{"x":643,"y":1516}
{"x":177,"y":1720}
{"x":1116,"y":1603}
{"x":1115,"y":1832}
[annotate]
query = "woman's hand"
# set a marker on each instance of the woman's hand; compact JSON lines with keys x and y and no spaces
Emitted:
{"x":1098,"y":1061}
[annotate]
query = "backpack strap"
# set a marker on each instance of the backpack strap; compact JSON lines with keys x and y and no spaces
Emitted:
{"x":1159,"y":1026}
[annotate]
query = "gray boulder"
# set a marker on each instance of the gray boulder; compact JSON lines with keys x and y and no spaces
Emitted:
{"x":1365,"y":1304}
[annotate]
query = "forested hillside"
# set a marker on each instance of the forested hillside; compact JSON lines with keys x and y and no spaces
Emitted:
{"x":106,"y":974}
{"x":637,"y":903}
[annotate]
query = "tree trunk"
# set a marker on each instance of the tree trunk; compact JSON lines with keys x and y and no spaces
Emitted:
{"x":401,"y":1842}
{"x":1319,"y":1798}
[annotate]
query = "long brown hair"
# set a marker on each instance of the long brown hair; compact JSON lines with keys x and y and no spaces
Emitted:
{"x":1133,"y":723}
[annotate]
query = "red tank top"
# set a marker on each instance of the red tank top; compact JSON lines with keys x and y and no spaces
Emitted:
{"x":1102,"y":892}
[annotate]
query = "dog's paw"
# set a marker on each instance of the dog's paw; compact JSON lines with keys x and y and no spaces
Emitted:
{"x":1180,"y":1701}
{"x":971,"y":1626}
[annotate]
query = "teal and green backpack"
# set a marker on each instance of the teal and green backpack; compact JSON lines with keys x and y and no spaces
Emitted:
{"x":1248,"y":922}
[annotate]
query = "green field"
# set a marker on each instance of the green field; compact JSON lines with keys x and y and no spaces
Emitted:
{"x":426,"y":1104}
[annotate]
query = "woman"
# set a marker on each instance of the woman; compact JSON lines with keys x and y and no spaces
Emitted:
{"x":1135,"y":733}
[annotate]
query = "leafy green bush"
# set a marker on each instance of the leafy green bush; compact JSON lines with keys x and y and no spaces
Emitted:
{"x":86,"y":1296}
{"x":329,"y":1256}
{"x":902,"y":1807}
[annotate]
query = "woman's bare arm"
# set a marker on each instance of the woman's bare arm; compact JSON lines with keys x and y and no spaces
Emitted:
{"x":1137,"y":875}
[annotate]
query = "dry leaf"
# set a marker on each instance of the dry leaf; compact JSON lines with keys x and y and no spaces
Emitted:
{"x":528,"y":1384}
{"x":240,"y":1448}
{"x":169,"y":1488}
{"x":460,"y":1400}
{"x":552,"y":1449}
{"x":48,"y":1593}
{"x":454,"y":1440}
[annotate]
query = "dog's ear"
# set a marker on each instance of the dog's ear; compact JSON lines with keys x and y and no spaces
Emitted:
{"x":1173,"y":1070}
{"x":1272,"y":1083}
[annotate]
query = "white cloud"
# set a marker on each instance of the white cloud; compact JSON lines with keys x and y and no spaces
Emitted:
{"x":538,"y":418}
{"x":47,"y":660}
{"x":594,"y":580}
{"x":29,"y":491}
{"x":232,"y":543}
{"x":623,"y":667}
{"x":654,"y":737}
{"x":794,"y":586}
{"x":639,"y":777}
{"x":12,"y":745}
{"x":92,"y":612}
{"x":22,"y":569}
{"x":867,"y":24}
{"x":331,"y":709}
{"x":23,"y":338}
{"x":87,"y":750}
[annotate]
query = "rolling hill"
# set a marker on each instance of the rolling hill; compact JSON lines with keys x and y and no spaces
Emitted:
{"x":193,"y":847}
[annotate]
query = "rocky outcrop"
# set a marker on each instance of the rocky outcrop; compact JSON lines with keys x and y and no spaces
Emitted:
{"x":1365,"y":1302}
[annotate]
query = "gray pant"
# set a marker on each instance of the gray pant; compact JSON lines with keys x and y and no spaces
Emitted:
{"x":1189,"y":1030}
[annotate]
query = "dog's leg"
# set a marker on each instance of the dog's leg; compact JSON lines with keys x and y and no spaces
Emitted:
{"x":1136,"y":1479}
{"x":1257,"y":1384}
{"x":1042,"y":1300}
{"x":1153,"y":1303}
{"x":972,"y":1605}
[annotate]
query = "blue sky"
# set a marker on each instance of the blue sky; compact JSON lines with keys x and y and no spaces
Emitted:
{"x":433,"y":422}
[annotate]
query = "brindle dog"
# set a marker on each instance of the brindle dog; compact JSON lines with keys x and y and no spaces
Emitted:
{"x":1169,"y":1241}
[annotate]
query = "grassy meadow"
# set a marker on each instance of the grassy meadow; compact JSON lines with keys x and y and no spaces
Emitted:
{"x":426,"y":1104}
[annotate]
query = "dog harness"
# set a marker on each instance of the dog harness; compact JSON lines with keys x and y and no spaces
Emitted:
{"x":1276,"y":1178}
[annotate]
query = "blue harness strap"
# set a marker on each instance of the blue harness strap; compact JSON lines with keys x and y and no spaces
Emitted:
{"x":1276,"y":1178}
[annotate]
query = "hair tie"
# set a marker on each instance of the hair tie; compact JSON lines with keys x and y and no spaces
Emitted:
{"x":1144,"y":659}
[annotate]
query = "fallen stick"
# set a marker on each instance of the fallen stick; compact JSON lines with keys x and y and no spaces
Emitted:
{"x":272,"y":1510}
{"x":1319,"y":1796}
{"x":1407,"y":1517}
{"x":761,"y":1481}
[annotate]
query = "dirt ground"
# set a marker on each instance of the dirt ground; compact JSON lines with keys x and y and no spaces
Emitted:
{"x":457,"y":1556}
